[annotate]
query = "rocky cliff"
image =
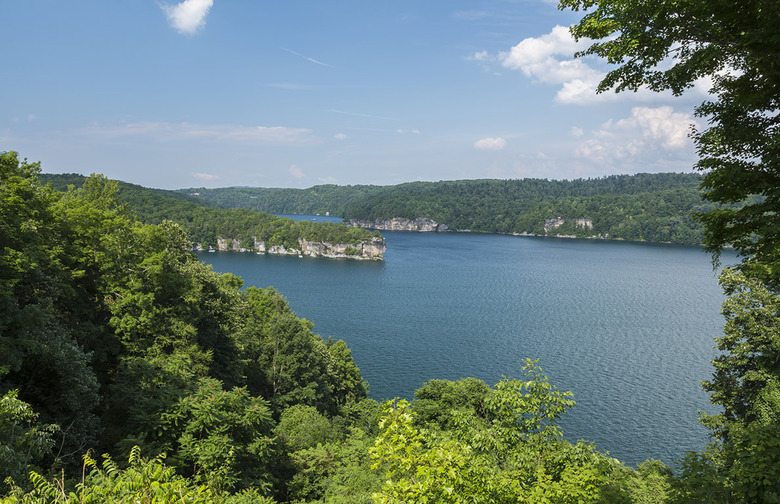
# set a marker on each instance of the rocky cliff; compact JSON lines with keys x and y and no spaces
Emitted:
{"x":400,"y":224}
{"x":366,"y":250}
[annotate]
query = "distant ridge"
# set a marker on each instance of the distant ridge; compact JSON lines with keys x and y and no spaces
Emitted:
{"x":658,"y":207}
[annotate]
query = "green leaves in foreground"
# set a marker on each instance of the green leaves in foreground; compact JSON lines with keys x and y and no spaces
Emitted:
{"x":502,"y":445}
{"x":148,"y":481}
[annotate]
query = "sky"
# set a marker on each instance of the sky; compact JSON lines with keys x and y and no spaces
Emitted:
{"x":218,"y":93}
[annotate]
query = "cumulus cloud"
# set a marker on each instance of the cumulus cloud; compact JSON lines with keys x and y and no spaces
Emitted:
{"x":490,"y":144}
{"x":296,"y":172}
{"x":647,"y":133}
{"x":188,"y":16}
{"x":166,"y":132}
{"x":549,"y":59}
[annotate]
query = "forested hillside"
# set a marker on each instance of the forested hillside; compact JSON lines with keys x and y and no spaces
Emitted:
{"x":204,"y":224}
{"x":651,"y":207}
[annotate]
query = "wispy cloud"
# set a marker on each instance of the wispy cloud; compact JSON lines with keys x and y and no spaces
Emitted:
{"x":296,"y":172}
{"x":188,"y":16}
{"x":306,"y":57}
{"x":167,"y":132}
{"x":340,"y":136}
{"x":369,"y":116}
{"x":490,"y":144}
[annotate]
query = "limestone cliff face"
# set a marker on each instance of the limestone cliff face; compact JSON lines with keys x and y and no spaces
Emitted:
{"x":400,"y":224}
{"x":367,"y":250}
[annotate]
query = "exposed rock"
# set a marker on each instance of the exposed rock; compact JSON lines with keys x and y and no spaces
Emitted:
{"x":550,"y":224}
{"x":372,"y":249}
{"x":401,"y":224}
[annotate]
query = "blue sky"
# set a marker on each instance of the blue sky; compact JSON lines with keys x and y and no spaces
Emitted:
{"x":299,"y":93}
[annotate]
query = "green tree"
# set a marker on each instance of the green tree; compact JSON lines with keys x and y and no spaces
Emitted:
{"x":39,"y":355}
{"x":746,"y":383}
{"x":23,"y":441}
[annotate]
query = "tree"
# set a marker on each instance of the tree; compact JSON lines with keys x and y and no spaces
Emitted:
{"x":746,"y":383}
{"x":668,"y":45}
{"x":39,"y":356}
{"x":22,"y":440}
{"x":498,"y":445}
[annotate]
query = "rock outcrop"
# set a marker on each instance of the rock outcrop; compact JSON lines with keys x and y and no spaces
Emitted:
{"x":372,"y":249}
{"x":401,"y":224}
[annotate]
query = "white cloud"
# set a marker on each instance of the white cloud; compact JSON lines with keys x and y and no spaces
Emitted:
{"x":549,"y":59}
{"x":330,"y":179}
{"x":296,"y":172}
{"x":490,"y":144}
{"x":188,"y":16}
{"x":162,"y":131}
{"x":649,"y":133}
{"x":576,"y":132}
{"x":340,"y":136}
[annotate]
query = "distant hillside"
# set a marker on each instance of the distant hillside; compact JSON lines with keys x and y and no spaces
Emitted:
{"x":206,"y":225}
{"x":320,"y":199}
{"x":651,"y":207}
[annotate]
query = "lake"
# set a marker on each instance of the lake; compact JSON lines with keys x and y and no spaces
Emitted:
{"x":627,"y":327}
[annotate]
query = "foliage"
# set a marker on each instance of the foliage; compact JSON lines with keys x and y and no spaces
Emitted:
{"x":506,"y":448}
{"x":746,"y":383}
{"x":23,"y":442}
{"x":148,"y":481}
{"x":39,"y":354}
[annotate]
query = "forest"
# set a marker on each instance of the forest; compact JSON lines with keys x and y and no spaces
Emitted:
{"x":657,"y":207}
{"x":204,"y":224}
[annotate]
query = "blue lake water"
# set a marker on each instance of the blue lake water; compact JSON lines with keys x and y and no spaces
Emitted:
{"x":627,"y":327}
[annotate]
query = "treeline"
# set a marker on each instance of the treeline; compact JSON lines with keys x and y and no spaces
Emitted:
{"x":115,"y":340}
{"x":651,"y":207}
{"x":204,"y":224}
